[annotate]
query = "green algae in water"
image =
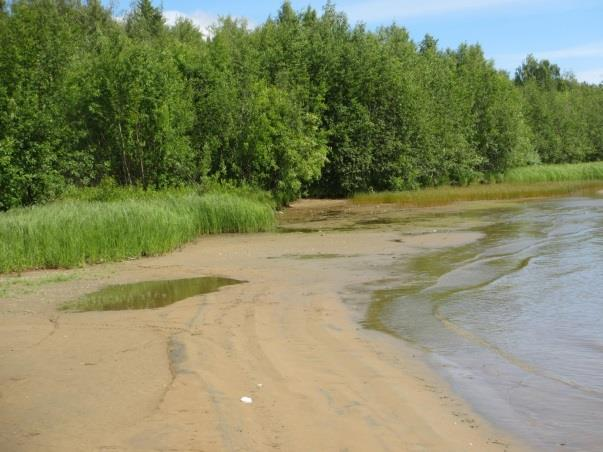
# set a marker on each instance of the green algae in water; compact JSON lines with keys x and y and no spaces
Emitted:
{"x":147,"y":295}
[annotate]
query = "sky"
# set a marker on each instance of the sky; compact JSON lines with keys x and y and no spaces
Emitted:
{"x":567,"y":32}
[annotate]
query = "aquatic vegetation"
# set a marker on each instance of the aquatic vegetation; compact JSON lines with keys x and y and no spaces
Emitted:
{"x":73,"y":233}
{"x":503,"y":191}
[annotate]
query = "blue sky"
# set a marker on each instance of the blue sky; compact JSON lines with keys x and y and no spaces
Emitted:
{"x":568,"y":32}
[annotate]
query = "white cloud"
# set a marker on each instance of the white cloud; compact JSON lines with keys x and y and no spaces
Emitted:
{"x":201,"y":19}
{"x":592,"y":50}
{"x":368,"y":11}
{"x":590,"y":76}
{"x":583,"y":55}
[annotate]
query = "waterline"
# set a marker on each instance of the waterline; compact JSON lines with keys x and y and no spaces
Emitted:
{"x":513,"y":320}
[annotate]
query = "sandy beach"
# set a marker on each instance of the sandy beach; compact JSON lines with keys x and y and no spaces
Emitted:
{"x":171,"y":379}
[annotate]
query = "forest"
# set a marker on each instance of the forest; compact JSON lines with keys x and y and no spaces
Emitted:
{"x":304,"y":104}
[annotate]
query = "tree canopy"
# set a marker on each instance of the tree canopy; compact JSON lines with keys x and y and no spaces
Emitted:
{"x":305,"y":103}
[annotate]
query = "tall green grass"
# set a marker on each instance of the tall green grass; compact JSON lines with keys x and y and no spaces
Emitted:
{"x":556,"y":173}
{"x":504,"y":191}
{"x":109,"y":190}
{"x":72,"y":233}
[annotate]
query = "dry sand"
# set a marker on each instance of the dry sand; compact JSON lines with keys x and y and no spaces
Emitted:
{"x":171,"y":379}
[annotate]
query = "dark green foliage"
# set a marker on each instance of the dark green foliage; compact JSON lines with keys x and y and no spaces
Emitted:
{"x":145,"y":21}
{"x":564,"y":116}
{"x":138,"y":112}
{"x":497,"y":129}
{"x":247,"y":129}
{"x":545,"y":74}
{"x":35,"y":43}
{"x":304,"y":103}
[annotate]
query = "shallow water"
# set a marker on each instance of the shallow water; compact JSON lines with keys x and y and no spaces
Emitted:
{"x":148,"y":294}
{"x":515,"y":320}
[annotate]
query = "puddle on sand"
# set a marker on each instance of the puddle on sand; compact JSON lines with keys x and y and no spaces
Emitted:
{"x":148,"y":294}
{"x":313,"y":256}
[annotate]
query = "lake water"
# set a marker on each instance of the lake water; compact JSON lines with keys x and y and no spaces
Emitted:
{"x":515,"y":320}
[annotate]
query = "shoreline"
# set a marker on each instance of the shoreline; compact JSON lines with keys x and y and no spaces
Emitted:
{"x":173,"y":377}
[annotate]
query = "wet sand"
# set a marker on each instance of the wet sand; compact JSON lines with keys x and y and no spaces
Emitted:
{"x":172,"y":378}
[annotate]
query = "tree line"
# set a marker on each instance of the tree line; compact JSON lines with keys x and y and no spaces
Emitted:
{"x":303,"y":104}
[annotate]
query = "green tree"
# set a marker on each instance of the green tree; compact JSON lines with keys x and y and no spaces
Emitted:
{"x":137,"y":112}
{"x":145,"y":21}
{"x":249,"y":130}
{"x":36,"y":42}
{"x":301,"y":103}
{"x":543,"y":73}
{"x":497,"y":129}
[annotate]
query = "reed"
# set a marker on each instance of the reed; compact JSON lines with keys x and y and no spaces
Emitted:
{"x":72,"y":233}
{"x":503,"y":191}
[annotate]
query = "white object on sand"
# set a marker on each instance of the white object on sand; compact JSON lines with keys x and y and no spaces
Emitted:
{"x":247,"y":400}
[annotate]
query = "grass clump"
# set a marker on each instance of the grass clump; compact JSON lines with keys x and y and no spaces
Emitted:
{"x":73,"y":232}
{"x":556,"y":173}
{"x":503,"y":191}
